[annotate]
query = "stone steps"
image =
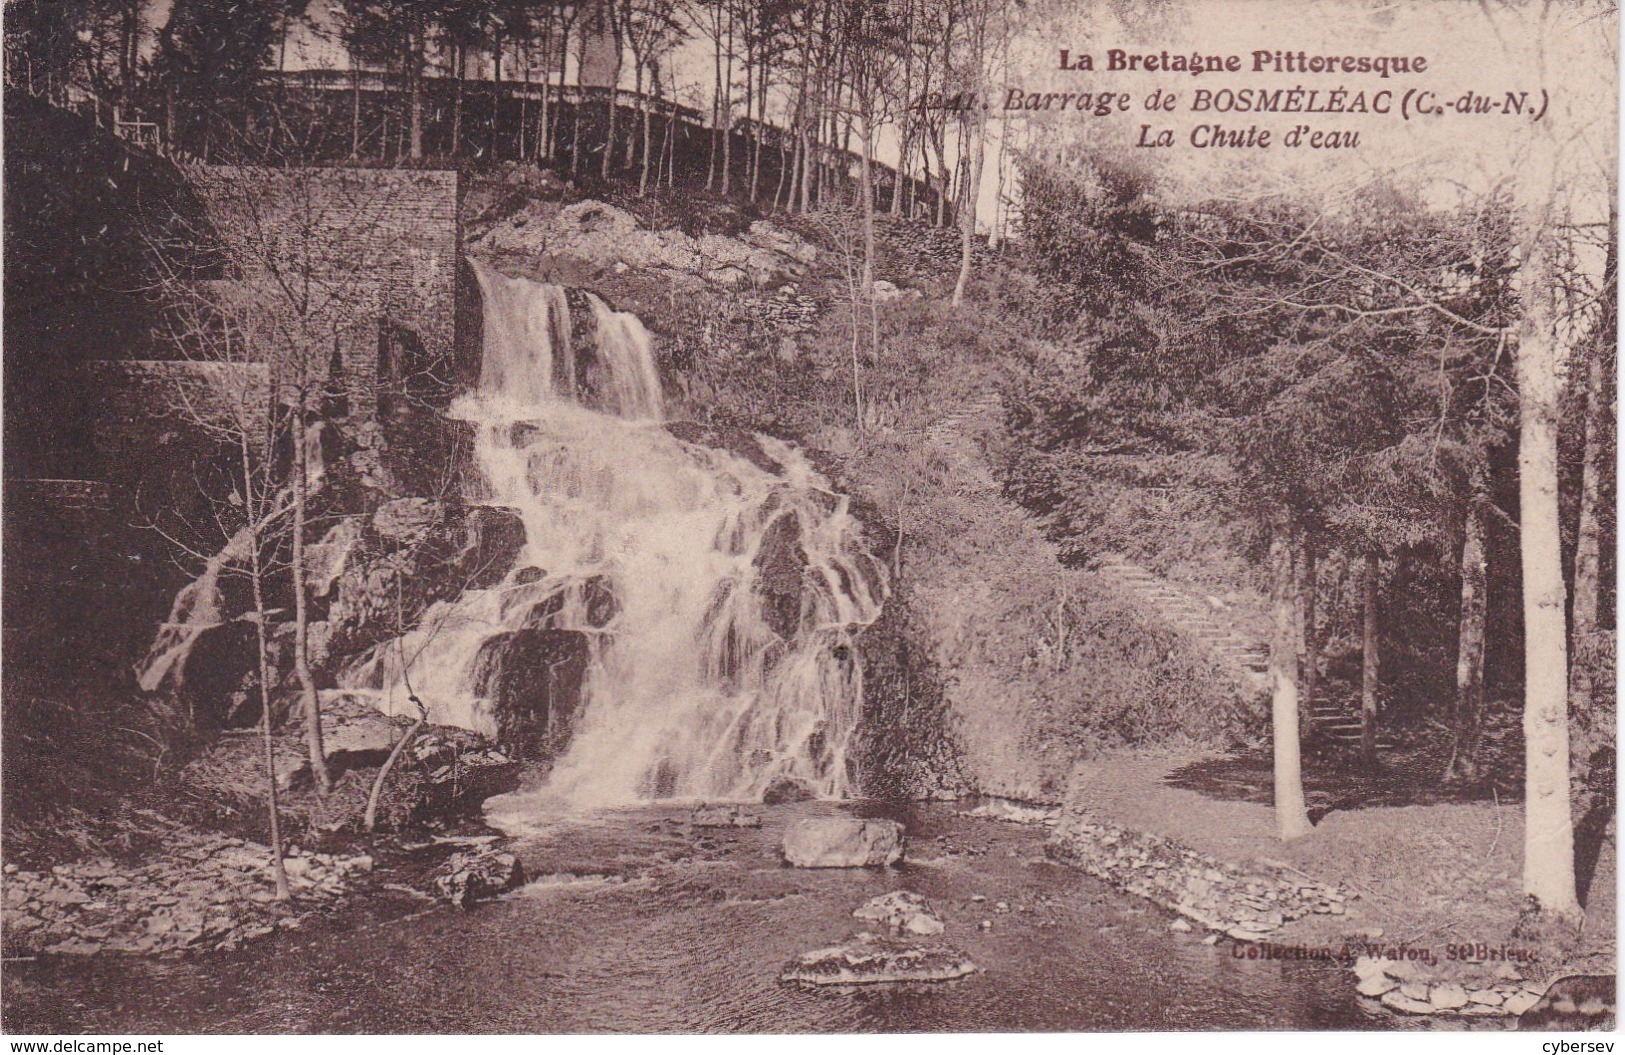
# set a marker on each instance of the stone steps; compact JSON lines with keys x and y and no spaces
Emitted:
{"x":1193,"y":617}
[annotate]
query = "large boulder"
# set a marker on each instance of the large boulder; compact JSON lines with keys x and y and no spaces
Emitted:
{"x":781,"y":564}
{"x":410,"y":554}
{"x":843,"y":842}
{"x":787,"y":789}
{"x":533,"y":678}
{"x":455,"y":771}
{"x":468,"y":878}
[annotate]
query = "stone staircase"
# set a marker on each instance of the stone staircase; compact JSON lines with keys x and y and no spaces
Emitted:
{"x":1196,"y":616}
{"x":1207,"y":621}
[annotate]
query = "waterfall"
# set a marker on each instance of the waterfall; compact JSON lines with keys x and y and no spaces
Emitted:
{"x":196,"y":608}
{"x":715,"y":593}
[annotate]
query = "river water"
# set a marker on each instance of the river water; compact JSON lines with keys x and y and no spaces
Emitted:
{"x":639,"y":924}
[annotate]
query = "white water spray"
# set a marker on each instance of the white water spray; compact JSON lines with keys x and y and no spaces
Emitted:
{"x":726,"y":658}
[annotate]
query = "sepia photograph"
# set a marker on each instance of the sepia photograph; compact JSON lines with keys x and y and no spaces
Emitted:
{"x":537,"y":517}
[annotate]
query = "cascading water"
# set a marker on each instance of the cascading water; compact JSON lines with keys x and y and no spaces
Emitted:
{"x":195,"y":609}
{"x":716,"y":593}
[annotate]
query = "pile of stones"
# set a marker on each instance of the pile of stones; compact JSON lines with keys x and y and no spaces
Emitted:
{"x":1206,"y":891}
{"x":208,"y":892}
{"x":1402,"y":985}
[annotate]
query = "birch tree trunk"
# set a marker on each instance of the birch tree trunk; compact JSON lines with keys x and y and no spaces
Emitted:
{"x":1469,"y":708}
{"x":1370,"y":658}
{"x":1548,"y":864}
{"x":967,"y":217}
{"x":301,"y":605}
{"x":1291,"y":815}
{"x":256,"y":571}
{"x":1309,"y":573}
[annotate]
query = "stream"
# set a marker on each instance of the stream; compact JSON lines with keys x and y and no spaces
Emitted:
{"x":635,"y":923}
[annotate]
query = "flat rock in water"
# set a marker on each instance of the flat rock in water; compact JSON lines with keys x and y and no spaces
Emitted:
{"x":902,"y":911}
{"x":865,"y":961}
{"x":843,"y":842}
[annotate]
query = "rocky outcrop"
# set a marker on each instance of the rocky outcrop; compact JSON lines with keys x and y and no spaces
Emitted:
{"x":409,"y":554}
{"x":1246,"y":906}
{"x":869,"y":960}
{"x":533,"y":678}
{"x":456,"y":771}
{"x":780,"y":565}
{"x":600,"y":235}
{"x":466,"y":879}
{"x":444,"y":772}
{"x":843,"y":842}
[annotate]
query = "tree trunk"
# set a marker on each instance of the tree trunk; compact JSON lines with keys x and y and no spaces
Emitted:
{"x":1469,"y":709}
{"x":607,"y":164}
{"x":867,"y":197}
{"x":256,"y":572}
{"x":355,"y":108}
{"x":643,"y":177}
{"x":1291,"y":815}
{"x":1548,"y":823}
{"x":728,"y":112}
{"x":496,"y":94}
{"x":1587,"y":550}
{"x":1369,"y":657}
{"x":416,"y":147}
{"x":967,"y":219}
{"x":457,"y":101}
{"x":1307,"y":586}
{"x":301,"y":614}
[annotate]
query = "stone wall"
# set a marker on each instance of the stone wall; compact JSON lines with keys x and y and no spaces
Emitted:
{"x":331,"y":260}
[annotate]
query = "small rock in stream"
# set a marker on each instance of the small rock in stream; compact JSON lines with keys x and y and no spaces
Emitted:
{"x":903,"y":911}
{"x":468,"y":878}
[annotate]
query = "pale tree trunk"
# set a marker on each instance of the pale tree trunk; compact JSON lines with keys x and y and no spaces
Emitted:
{"x":607,"y":164}
{"x":1370,"y":657}
{"x":1548,"y":822}
{"x":301,"y":614}
{"x":1469,"y":708}
{"x":1309,"y":633}
{"x":355,"y":108}
{"x":415,"y":73}
{"x":1291,"y":815}
{"x":457,"y":101}
{"x":967,"y":218}
{"x":262,"y":642}
{"x":643,"y":176}
{"x":1587,"y":550}
{"x":728,"y":112}
{"x":867,"y":196}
